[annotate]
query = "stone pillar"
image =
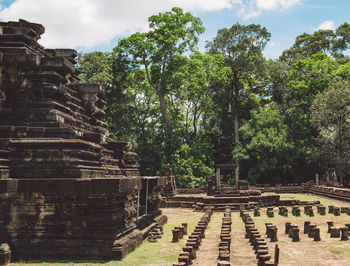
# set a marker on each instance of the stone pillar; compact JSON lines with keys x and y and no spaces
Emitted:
{"x":267,"y":227}
{"x":344,"y":209}
{"x":176,"y":234}
{"x":311,"y":232}
{"x":217,"y":175}
{"x":336,"y":211}
{"x":237,"y":177}
{"x":330,"y":225}
{"x":269,"y":212}
{"x":261,"y":252}
{"x":256,"y":212}
{"x":295,"y":234}
{"x":184,"y":259}
{"x":322,"y":210}
{"x":274,"y":234}
{"x":335,"y":232}
{"x":330,"y":208}
{"x":317,"y":182}
{"x":348,"y":226}
{"x":263,"y":259}
{"x":287,"y":226}
{"x":311,"y":212}
{"x":290,"y":234}
{"x":306,"y":227}
{"x":344,"y":234}
{"x":317,"y":236}
{"x":185,"y":228}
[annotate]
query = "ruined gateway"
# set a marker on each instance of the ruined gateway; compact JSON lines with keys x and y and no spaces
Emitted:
{"x":67,"y":190}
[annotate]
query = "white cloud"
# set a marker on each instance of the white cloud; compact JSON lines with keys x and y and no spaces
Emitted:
{"x":72,"y":23}
{"x":255,"y":7}
{"x":205,"y":5}
{"x":275,"y":4}
{"x":273,"y":44}
{"x":251,"y":14}
{"x":326,"y":25}
{"x":88,"y":23}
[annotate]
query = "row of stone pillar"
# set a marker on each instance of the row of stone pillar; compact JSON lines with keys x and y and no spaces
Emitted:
{"x":308,"y":210}
{"x":312,"y":231}
{"x":179,"y":232}
{"x":338,"y":210}
{"x":225,"y":239}
{"x":282,"y":211}
{"x":335,"y":231}
{"x":256,"y":240}
{"x":193,"y":241}
{"x":271,"y":232}
{"x":292,"y":231}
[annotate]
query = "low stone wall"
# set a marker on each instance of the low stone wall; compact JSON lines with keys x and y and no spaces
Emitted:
{"x":194,"y":190}
{"x":284,"y":189}
{"x":199,"y":202}
{"x":332,"y":192}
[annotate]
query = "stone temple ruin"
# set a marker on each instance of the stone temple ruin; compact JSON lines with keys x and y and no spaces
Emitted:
{"x":67,"y":189}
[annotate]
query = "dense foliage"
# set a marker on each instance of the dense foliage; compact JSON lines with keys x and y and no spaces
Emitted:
{"x":283,"y":120}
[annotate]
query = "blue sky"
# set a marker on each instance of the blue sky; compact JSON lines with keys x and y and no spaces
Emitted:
{"x":89,"y":25}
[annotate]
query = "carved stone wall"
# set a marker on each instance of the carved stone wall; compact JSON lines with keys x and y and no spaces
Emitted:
{"x":67,"y":190}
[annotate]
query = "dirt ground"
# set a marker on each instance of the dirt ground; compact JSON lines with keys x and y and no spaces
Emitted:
{"x":307,"y":252}
{"x":329,"y":251}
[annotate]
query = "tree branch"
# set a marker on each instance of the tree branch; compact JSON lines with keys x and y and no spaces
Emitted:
{"x":148,"y":74}
{"x":162,"y":68}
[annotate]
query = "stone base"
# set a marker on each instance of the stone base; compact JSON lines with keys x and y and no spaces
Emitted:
{"x":131,"y":241}
{"x":235,"y":202}
{"x":73,"y":219}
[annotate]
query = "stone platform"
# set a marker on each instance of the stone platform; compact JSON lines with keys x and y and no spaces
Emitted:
{"x":199,"y":201}
{"x":235,"y":202}
{"x":331,"y":192}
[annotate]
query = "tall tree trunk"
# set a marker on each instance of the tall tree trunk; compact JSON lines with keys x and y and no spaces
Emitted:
{"x":164,"y":111}
{"x":236,"y":107}
{"x":236,"y":118}
{"x":157,"y":88}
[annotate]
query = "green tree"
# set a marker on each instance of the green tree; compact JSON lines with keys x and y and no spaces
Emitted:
{"x":307,"y":78}
{"x":330,"y":113}
{"x":332,"y":43}
{"x":306,"y":45}
{"x":94,"y":67}
{"x":170,"y":34}
{"x":265,"y":147}
{"x":193,"y":84}
{"x":194,"y":161}
{"x":241,"y":46}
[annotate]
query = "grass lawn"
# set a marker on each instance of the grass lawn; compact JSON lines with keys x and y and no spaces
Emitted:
{"x":309,"y":197}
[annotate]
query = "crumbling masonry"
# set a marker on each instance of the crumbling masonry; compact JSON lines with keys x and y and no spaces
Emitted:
{"x":67,"y":190}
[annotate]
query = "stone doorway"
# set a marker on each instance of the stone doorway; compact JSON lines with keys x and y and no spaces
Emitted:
{"x":226,"y":167}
